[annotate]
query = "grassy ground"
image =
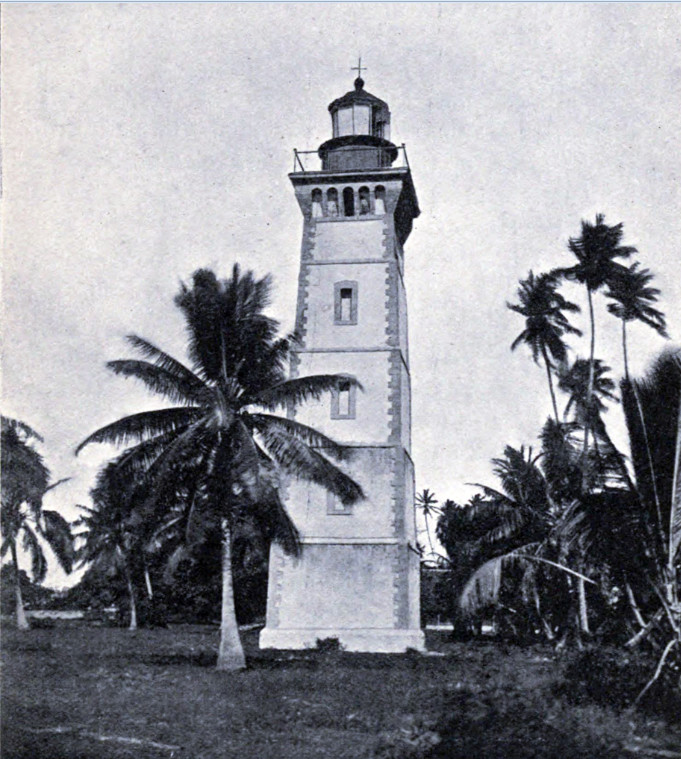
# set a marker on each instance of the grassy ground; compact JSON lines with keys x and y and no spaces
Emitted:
{"x":76,"y":692}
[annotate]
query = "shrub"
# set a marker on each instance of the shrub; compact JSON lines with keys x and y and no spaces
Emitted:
{"x":328,"y":645}
{"x":614,"y":677}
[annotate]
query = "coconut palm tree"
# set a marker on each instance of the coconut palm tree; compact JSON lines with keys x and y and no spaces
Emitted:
{"x":221,"y":432}
{"x":533,"y":523}
{"x":545,"y":323}
{"x":632,"y":301}
{"x":427,"y":503}
{"x":596,"y":250}
{"x":510,"y":526}
{"x":106,"y":533}
{"x":25,"y":480}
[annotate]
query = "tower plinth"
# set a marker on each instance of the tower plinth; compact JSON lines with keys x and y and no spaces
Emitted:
{"x":358,"y":577}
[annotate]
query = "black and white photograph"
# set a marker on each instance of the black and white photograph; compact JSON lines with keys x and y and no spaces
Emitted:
{"x":341,"y":380}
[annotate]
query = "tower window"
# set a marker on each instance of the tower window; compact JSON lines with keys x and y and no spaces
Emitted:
{"x":344,"y":401}
{"x":334,"y":505}
{"x":349,"y":201}
{"x":345,"y":303}
{"x":317,"y":204}
{"x":379,"y":204}
{"x":332,"y":201}
{"x":364,"y":201}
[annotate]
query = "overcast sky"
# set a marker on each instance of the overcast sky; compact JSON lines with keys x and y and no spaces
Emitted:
{"x":143,"y":141}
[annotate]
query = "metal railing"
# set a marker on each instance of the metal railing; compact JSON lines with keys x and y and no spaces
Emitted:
{"x":368,"y":157}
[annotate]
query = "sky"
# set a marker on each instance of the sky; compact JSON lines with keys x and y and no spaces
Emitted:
{"x":142,"y":141}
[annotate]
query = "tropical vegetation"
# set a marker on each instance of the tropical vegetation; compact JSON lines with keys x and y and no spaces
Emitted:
{"x":25,"y":481}
{"x":577,"y":540}
{"x":212,"y":460}
{"x":580,"y":540}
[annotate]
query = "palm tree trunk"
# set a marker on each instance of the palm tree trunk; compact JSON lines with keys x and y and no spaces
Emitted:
{"x":430,"y":540}
{"x":22,"y":621}
{"x":552,"y":391}
{"x":589,"y":391}
{"x":231,"y":653}
{"x":147,"y":580}
{"x":133,"y":603}
{"x":583,"y":608}
{"x":624,"y":350}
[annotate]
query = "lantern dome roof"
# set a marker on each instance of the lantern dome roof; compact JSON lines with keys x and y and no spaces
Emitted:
{"x":358,"y":95}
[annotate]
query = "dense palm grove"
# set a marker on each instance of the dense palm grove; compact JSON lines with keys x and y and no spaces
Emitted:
{"x":577,"y":541}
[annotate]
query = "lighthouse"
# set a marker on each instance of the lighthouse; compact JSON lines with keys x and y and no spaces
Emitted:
{"x":357,"y":580}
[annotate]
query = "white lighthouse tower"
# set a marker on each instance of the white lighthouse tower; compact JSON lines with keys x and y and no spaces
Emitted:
{"x":358,"y":577}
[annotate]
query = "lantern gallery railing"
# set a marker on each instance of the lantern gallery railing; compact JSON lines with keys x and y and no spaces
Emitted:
{"x":349,"y":158}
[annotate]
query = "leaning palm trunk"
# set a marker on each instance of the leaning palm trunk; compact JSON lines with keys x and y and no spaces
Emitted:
{"x":551,"y":390}
{"x":147,"y":581}
{"x":231,"y":652}
{"x":22,"y":622}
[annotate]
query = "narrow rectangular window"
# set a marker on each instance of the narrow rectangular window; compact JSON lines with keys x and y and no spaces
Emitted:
{"x":345,"y":303}
{"x":344,"y":401}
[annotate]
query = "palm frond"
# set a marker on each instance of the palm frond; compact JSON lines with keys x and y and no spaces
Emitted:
{"x":292,"y":392}
{"x":223,"y":317}
{"x":136,"y":461}
{"x":32,"y":546}
{"x":309,"y":435}
{"x":161,"y":381}
{"x":179,"y":555}
{"x":652,"y":407}
{"x":17,"y":426}
{"x":298,"y":459}
{"x":633,"y":298}
{"x":168,"y":363}
{"x":57,"y":532}
{"x":23,"y":474}
{"x":137,"y":427}
{"x":202,"y":519}
{"x":482,"y":588}
{"x":274,"y":522}
{"x":596,"y":249}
